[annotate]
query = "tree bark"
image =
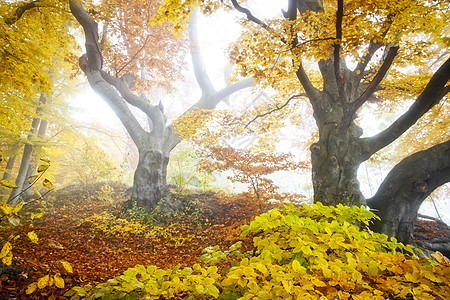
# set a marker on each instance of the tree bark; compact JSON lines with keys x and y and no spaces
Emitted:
{"x":150,"y":179}
{"x":8,"y":170}
{"x":26,"y":156}
{"x":22,"y":174}
{"x":405,"y":188}
{"x":34,"y":159}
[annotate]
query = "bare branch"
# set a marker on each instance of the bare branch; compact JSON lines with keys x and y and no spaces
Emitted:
{"x":91,"y":66}
{"x":90,"y":28}
{"x":392,"y":53}
{"x":249,"y":14}
{"x":374,"y":45}
{"x":310,"y":89}
{"x":435,"y":90}
{"x":134,"y":56}
{"x":20,"y":11}
{"x":275,"y":109}
{"x":291,"y":13}
{"x":201,"y":75}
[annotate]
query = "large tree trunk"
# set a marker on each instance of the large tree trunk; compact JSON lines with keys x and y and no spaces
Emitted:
{"x":335,"y":158}
{"x":334,"y":174}
{"x":405,"y":188}
{"x":149,"y":184}
{"x":34,"y":160}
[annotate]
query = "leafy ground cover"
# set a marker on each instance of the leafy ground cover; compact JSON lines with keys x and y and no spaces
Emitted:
{"x":89,"y":228}
{"x":89,"y":244}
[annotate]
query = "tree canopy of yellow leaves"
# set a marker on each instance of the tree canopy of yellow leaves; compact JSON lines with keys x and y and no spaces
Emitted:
{"x":29,"y":46}
{"x":189,"y":124}
{"x":179,"y":12}
{"x":267,"y":55}
{"x":419,"y":28}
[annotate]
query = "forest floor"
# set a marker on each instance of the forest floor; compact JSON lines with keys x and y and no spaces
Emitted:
{"x":90,"y":228}
{"x":92,"y":231}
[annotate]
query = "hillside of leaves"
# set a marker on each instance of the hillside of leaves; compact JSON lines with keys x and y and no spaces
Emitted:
{"x":90,"y":228}
{"x":92,"y":244}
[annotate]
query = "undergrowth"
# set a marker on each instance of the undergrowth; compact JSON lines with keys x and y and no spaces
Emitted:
{"x":306,"y":252}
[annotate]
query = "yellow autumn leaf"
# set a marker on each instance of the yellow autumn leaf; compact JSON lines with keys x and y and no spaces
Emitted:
{"x":45,"y":160}
{"x":7,"y":260}
{"x":33,"y":237}
{"x":6,"y":249}
{"x":48,"y":184}
{"x":31,"y":288}
{"x":67,"y":266}
{"x":17,"y":208}
{"x":59,"y":281}
{"x":8,"y":184}
{"x":228,"y":281}
{"x":50,"y":281}
{"x":296,"y":265}
{"x":43,"y":282}
{"x":42,"y":168}
{"x":6,"y":208}
{"x":36,"y":216}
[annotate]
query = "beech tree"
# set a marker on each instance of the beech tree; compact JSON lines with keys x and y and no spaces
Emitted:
{"x":36,"y":56}
{"x":155,"y":144}
{"x":341,"y":55}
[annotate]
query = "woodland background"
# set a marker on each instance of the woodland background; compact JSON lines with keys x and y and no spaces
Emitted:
{"x":207,"y":116}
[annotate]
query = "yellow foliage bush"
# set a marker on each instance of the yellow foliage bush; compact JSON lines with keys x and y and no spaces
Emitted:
{"x":304,"y":252}
{"x":111,"y":225}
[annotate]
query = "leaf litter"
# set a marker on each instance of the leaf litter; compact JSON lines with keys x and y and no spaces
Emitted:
{"x":71,"y":247}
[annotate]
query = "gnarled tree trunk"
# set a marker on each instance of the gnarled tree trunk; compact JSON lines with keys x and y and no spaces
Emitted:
{"x":150,"y":178}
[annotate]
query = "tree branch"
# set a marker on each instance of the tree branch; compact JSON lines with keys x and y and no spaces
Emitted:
{"x":337,"y":49}
{"x":90,"y":28}
{"x":201,"y":75}
{"x":234,"y":87}
{"x":249,"y":14}
{"x":374,"y":45}
{"x":310,"y":89}
{"x":155,"y":114}
{"x":91,"y":66}
{"x":291,"y":13}
{"x":312,"y":5}
{"x":20,"y":11}
{"x":274,"y":110}
{"x":435,"y":90}
{"x":134,"y":56}
{"x":405,"y":188}
{"x":392,"y":53}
